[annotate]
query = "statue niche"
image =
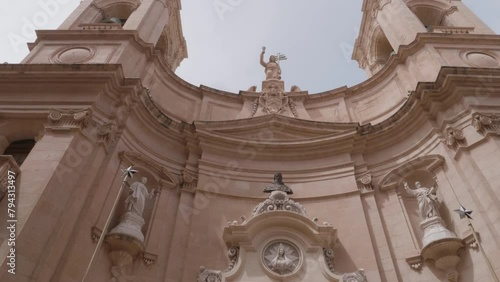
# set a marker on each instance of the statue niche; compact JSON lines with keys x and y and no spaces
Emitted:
{"x":126,"y":240}
{"x":439,"y":245}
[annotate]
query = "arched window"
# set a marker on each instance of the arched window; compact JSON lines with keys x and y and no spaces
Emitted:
{"x":19,"y":150}
{"x":383,"y":50}
{"x":430,"y":16}
{"x":380,"y":51}
{"x":117,"y":13}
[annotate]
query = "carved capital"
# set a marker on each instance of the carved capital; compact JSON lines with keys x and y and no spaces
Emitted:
{"x":454,"y":138}
{"x":189,"y":180}
{"x":70,"y":119}
{"x":486,"y":122}
{"x":365,"y":182}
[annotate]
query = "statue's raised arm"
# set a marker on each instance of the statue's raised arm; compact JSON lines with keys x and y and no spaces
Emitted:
{"x":408,"y":190}
{"x":272,"y":68}
{"x":264,"y":64}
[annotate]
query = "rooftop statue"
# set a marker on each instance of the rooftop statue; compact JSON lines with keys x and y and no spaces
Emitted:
{"x":278,"y":185}
{"x":272,"y":68}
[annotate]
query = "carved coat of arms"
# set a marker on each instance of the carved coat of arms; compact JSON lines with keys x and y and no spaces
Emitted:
{"x":273,"y":99}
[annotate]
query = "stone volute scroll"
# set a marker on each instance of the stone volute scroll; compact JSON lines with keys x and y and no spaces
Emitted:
{"x":279,"y":243}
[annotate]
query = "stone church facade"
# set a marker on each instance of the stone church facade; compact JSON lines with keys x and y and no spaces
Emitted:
{"x":115,"y":169}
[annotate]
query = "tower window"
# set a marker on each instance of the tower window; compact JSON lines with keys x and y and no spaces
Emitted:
{"x":117,"y":13}
{"x":429,"y":16}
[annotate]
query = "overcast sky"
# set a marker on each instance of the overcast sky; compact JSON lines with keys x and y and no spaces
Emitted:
{"x":225,"y":37}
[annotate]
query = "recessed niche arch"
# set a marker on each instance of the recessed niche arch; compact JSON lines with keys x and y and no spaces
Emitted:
{"x":380,"y":50}
{"x":423,"y":170}
{"x":158,"y":178}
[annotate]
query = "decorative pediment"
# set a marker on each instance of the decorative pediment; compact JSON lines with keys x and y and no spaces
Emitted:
{"x":275,"y":128}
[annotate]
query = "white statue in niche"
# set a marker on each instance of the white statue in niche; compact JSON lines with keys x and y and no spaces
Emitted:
{"x":427,"y":201}
{"x":138,"y":193}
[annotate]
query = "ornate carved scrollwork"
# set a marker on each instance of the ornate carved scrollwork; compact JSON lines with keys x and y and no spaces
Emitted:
{"x":358,"y":276}
{"x":486,"y":122}
{"x":59,"y":118}
{"x":365,"y":183}
{"x":207,"y":275}
{"x":189,"y":180}
{"x":233,"y":253}
{"x":329,"y":259}
{"x":279,"y":201}
{"x":273,"y":99}
{"x":454,"y":137}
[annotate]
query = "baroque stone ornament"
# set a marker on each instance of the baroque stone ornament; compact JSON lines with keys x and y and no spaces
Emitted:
{"x":358,"y":276}
{"x":454,"y":137}
{"x":62,"y":118}
{"x":233,"y":254}
{"x":273,"y":99}
{"x":486,"y":122}
{"x":207,"y":275}
{"x":279,"y":201}
{"x":365,"y":182}
{"x":281,"y":257}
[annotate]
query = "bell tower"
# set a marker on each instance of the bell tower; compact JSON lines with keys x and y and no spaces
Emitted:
{"x":126,"y":32}
{"x":390,"y":25}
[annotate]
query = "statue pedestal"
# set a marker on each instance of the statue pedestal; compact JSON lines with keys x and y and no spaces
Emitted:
{"x":274,"y":85}
{"x":441,"y":247}
{"x":434,"y":230}
{"x":130,"y":225}
{"x":125,"y":243}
